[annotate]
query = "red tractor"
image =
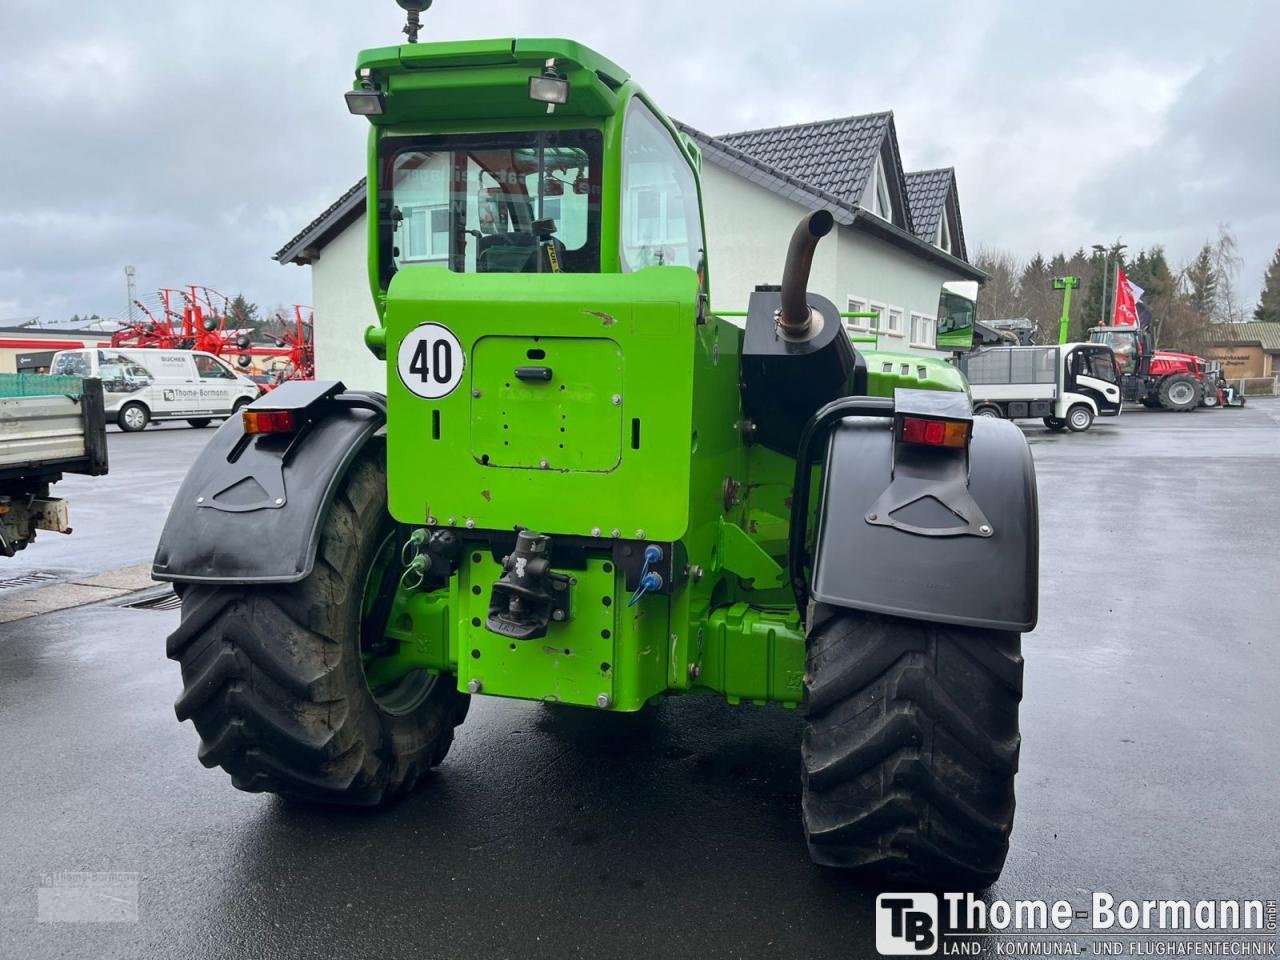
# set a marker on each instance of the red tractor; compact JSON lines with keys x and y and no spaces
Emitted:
{"x":1157,"y":378}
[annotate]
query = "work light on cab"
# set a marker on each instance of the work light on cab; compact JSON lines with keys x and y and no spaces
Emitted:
{"x":366,"y":100}
{"x":550,"y":87}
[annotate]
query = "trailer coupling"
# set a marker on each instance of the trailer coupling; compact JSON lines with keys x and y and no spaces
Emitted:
{"x":528,"y":595}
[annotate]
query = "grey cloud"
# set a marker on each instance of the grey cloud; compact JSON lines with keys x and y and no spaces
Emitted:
{"x":193,"y":139}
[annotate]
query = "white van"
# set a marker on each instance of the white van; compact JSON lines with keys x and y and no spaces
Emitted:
{"x":144,"y":385}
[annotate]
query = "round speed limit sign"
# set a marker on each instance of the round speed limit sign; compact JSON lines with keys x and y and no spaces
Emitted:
{"x":430,"y":361}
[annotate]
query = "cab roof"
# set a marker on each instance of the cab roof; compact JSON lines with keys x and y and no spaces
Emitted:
{"x":487,"y":79}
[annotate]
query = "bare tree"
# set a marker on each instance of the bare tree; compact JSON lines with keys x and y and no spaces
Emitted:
{"x":999,"y":297}
{"x":1226,"y":265}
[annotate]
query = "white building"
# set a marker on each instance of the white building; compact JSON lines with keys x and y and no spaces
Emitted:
{"x":899,"y":236}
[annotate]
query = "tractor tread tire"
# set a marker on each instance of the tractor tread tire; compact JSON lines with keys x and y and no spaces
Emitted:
{"x":910,"y":748}
{"x":1197,"y":391}
{"x":273,"y":679}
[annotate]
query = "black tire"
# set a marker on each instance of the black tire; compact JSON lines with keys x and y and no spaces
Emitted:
{"x":133,"y":417}
{"x":239,"y":405}
{"x":200,"y":422}
{"x":274,"y":682}
{"x":1180,"y":392}
{"x":1054,"y":423}
{"x":1209,"y":397}
{"x":910,"y":749}
{"x":989,"y":411}
{"x":1079,"y":418}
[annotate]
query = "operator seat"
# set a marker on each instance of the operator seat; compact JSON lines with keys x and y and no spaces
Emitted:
{"x":514,"y":253}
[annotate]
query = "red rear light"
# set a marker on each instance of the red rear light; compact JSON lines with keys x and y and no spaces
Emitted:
{"x":269,"y":421}
{"x":935,"y":433}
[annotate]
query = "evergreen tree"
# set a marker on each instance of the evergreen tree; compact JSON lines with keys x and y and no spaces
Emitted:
{"x":1098,"y":279}
{"x":1202,"y":282}
{"x":1268,"y":308}
{"x":242,"y":313}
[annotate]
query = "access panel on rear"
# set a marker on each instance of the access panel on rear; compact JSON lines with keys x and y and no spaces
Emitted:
{"x":559,"y":403}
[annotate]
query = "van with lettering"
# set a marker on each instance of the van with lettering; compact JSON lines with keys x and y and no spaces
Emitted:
{"x":142,"y":386}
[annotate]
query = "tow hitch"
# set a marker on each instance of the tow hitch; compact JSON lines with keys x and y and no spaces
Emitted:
{"x":528,"y":596}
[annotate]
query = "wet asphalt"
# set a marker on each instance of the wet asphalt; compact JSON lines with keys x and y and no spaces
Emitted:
{"x":1151,"y":735}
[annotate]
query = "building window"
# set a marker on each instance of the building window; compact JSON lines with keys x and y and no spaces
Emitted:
{"x":923,"y":331}
{"x":875,"y":198}
{"x":426,"y":233}
{"x":943,"y":242}
{"x":857,"y":324}
{"x":877,"y":324}
{"x":893,"y":324}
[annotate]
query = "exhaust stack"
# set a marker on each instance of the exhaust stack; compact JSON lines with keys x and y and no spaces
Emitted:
{"x":796,"y":356}
{"x":796,"y":317}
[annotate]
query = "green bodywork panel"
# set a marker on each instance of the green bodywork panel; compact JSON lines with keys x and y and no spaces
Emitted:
{"x":887,"y":371}
{"x":614,"y":426}
{"x":629,"y":430}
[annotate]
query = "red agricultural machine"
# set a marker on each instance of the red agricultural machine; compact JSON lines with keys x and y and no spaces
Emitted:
{"x":1157,"y":378}
{"x":207,"y":322}
{"x":297,"y":338}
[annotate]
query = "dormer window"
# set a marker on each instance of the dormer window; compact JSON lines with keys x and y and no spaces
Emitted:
{"x":943,"y":241}
{"x":875,"y":198}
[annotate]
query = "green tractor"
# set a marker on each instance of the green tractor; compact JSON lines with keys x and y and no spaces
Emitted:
{"x":586,"y":488}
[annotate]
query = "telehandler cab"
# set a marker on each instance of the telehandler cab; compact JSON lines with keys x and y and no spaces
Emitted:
{"x":585,"y":487}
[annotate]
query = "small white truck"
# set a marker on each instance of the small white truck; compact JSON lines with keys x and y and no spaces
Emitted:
{"x":1066,"y":385}
{"x":49,"y":426}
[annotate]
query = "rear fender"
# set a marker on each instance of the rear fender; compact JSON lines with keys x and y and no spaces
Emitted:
{"x":970,"y":557}
{"x":250,"y":508}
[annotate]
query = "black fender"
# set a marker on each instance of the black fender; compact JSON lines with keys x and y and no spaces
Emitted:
{"x":250,"y":508}
{"x":872,"y":552}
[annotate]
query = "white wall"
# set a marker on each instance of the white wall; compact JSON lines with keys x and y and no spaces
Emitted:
{"x":344,"y":308}
{"x":871,"y":269}
{"x":748,"y":228}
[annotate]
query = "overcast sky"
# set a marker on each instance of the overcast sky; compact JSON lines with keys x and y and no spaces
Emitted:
{"x":193,"y":139}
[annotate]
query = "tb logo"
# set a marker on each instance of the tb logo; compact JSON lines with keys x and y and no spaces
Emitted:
{"x":907,"y":924}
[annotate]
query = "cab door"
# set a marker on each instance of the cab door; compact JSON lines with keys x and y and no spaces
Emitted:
{"x":1092,"y":371}
{"x":218,"y":386}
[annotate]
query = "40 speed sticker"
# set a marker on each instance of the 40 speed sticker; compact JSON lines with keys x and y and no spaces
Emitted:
{"x":430,"y":361}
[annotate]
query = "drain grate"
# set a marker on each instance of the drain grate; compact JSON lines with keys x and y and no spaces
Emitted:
{"x":26,"y":580}
{"x":163,"y":601}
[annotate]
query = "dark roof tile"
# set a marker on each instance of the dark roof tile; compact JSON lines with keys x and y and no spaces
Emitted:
{"x":836,"y":156}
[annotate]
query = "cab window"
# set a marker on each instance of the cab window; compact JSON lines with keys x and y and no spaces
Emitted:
{"x":210,"y":369}
{"x":660,"y":215}
{"x":74,"y":364}
{"x":491,"y":203}
{"x":1095,"y":364}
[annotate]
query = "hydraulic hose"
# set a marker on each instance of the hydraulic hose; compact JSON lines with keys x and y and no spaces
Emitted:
{"x":795,"y":319}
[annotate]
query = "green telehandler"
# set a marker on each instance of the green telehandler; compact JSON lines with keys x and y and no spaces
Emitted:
{"x":584,"y":487}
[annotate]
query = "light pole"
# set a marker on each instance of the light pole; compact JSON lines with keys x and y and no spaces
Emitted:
{"x":129,"y":274}
{"x":1102,"y":309}
{"x":1106,"y":276}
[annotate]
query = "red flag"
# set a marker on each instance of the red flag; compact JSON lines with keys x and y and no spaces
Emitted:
{"x":1126,"y":314}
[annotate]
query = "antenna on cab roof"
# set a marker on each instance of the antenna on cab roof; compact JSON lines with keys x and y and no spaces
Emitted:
{"x":414,"y":9}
